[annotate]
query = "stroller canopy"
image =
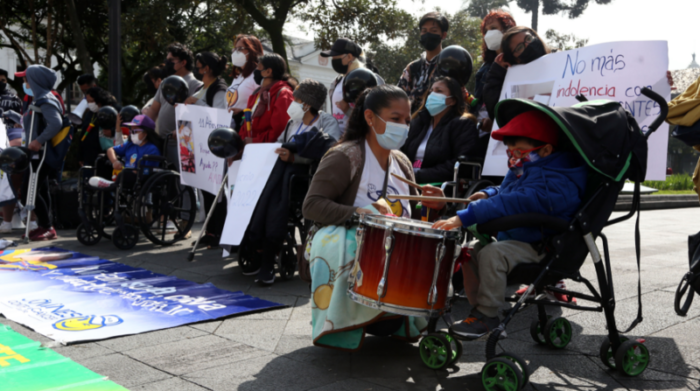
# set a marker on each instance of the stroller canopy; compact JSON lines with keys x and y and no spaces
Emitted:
{"x":605,"y":135}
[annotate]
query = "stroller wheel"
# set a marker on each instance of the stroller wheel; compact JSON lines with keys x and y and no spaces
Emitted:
{"x":536,"y":332}
{"x":501,"y":374}
{"x":457,"y":348}
{"x":88,"y":236}
{"x":632,"y":358}
{"x":125,"y":238}
{"x":522,"y":365}
{"x":436,"y":351}
{"x":607,"y":356}
{"x":558,"y":333}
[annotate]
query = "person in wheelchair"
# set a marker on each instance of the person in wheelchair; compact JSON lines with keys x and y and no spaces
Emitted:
{"x":441,"y":131}
{"x":132,"y":151}
{"x":540,"y":180}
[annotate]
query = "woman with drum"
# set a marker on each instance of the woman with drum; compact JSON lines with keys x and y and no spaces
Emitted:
{"x":351,"y":179}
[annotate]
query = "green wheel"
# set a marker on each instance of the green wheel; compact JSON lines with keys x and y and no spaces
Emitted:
{"x":558,"y":333}
{"x":536,"y":332}
{"x":501,"y":374}
{"x":522,"y":365}
{"x":436,"y":351}
{"x":607,"y":356}
{"x":457,"y":348}
{"x":632,"y":358}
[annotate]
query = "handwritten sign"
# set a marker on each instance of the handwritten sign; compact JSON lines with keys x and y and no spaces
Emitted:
{"x":256,"y":166}
{"x":613,"y":71}
{"x":6,"y":193}
{"x":198,"y":166}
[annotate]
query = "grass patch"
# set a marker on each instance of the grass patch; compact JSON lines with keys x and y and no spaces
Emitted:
{"x":668,"y":192}
{"x":673,"y":182}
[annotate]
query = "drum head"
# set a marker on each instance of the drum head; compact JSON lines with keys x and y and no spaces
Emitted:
{"x":408,"y":226}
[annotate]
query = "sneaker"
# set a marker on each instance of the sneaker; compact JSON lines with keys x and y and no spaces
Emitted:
{"x":5,"y":227}
{"x":554,"y":296}
{"x":266,"y":276}
{"x":475,"y":326}
{"x":257,"y":260}
{"x":41,"y":234}
{"x":522,"y":291}
{"x":17,"y":221}
{"x":100,"y":183}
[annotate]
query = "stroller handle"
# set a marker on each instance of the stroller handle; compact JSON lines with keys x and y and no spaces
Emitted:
{"x":664,"y":110}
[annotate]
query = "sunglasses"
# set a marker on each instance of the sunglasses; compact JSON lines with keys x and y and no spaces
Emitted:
{"x":522,"y":45}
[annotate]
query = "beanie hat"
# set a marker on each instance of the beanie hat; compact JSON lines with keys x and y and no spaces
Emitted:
{"x":312,"y":93}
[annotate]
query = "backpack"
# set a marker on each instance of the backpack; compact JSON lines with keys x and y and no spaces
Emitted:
{"x":57,"y":147}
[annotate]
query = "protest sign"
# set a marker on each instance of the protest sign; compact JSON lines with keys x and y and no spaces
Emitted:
{"x":198,"y":166}
{"x":612,"y":71}
{"x":256,"y":166}
{"x":6,"y":193}
{"x":82,"y":298}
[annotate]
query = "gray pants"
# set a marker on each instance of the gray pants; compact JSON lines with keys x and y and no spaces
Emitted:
{"x":171,"y":154}
{"x":492,"y":264}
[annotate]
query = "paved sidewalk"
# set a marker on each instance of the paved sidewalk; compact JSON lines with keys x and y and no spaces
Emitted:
{"x":273,"y":350}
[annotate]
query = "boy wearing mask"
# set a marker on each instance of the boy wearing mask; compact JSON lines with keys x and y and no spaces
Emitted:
{"x":345,"y":58}
{"x":418,"y":75}
{"x":540,"y":180}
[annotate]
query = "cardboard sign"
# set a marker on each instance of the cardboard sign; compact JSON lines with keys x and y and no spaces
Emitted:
{"x":198,"y":166}
{"x":613,"y":71}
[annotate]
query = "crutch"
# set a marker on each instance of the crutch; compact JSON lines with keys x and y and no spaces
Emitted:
{"x":190,"y":255}
{"x":33,"y":176}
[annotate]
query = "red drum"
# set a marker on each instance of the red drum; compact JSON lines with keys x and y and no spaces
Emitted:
{"x":403,"y":266}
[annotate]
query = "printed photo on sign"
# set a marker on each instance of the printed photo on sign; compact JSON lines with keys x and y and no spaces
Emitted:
{"x":184,"y":137}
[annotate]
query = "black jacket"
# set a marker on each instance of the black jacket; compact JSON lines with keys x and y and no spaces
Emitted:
{"x":492,"y":87}
{"x":454,"y":137}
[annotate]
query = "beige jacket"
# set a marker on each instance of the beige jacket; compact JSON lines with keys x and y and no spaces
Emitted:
{"x":333,"y":189}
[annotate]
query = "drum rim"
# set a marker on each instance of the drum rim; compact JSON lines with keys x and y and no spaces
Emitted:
{"x":393,"y":308}
{"x":375,"y":221}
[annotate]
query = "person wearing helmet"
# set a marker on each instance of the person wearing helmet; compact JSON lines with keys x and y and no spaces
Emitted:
{"x":345,"y":56}
{"x":541,"y":180}
{"x":441,"y":131}
{"x":95,"y":138}
{"x":418,"y":75}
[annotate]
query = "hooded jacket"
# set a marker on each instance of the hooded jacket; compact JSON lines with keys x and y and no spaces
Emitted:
{"x":41,"y":80}
{"x":453,"y":137}
{"x":553,"y":185}
{"x":268,"y":126}
{"x":326,"y":123}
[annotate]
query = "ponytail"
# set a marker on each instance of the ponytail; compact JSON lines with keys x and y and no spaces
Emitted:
{"x":216,"y":63}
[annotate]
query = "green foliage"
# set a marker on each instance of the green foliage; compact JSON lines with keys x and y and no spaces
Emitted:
{"x":480,"y":8}
{"x":563,"y":41}
{"x":573,"y":8}
{"x":672,"y":182}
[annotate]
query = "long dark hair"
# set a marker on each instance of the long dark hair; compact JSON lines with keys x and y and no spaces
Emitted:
{"x":101,"y":96}
{"x":456,"y":92}
{"x":375,"y":99}
{"x":213,"y":61}
{"x":279,"y":68}
{"x":508,"y":55}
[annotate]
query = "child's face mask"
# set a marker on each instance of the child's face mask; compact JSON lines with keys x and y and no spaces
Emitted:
{"x":518,"y":157}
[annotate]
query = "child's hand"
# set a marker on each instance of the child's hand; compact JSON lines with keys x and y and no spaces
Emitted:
{"x":117,"y":165}
{"x":478,"y":196}
{"x":451,"y":223}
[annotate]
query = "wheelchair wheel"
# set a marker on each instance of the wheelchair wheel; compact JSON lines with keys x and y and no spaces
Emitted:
{"x":125,"y":238}
{"x":632,"y":358}
{"x":166,"y":209}
{"x":88,"y":236}
{"x":522,"y":365}
{"x":287,"y":264}
{"x":558,"y":333}
{"x":501,"y":374}
{"x":247,"y":261}
{"x":684,"y":288}
{"x":436,"y":351}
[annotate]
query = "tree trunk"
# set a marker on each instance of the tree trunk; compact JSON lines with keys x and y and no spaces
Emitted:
{"x":277,"y":41}
{"x":49,"y":40}
{"x":274,"y":27}
{"x":83,"y":56}
{"x":535,"y":14}
{"x":36,"y":48}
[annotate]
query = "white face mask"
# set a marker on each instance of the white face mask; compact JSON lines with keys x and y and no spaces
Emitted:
{"x":296,"y":111}
{"x":135,"y":138}
{"x":93,"y":107}
{"x":493,"y":39}
{"x":238,"y":59}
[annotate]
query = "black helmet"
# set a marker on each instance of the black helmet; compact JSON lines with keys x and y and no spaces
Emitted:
{"x":128,"y":113}
{"x":225,"y":142}
{"x":14,"y":160}
{"x":106,"y":117}
{"x":456,"y":62}
{"x":357,"y":81}
{"x":175,"y":89}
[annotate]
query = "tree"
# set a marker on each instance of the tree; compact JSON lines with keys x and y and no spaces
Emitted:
{"x":480,"y":8}
{"x":563,"y":41}
{"x":574,"y":8}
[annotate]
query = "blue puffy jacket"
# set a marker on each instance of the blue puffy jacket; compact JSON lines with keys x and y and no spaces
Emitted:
{"x":553,"y":186}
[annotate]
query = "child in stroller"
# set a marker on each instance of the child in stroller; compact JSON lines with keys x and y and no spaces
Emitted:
{"x":540,"y":180}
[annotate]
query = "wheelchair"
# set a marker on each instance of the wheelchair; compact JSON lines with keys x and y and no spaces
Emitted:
{"x":286,"y":260}
{"x":566,"y":246}
{"x":118,"y":214}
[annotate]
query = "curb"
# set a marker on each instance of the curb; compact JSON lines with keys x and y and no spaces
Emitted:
{"x":650,"y":202}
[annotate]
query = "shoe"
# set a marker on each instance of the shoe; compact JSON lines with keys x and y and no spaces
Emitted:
{"x":554,"y":296}
{"x":41,"y":234}
{"x":256,"y":259}
{"x":17,"y":221}
{"x":266,"y":276}
{"x":5,"y":227}
{"x":100,"y":183}
{"x":522,"y":291}
{"x":475,"y":326}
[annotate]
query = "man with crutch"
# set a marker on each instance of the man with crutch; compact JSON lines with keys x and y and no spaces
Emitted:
{"x":42,"y":122}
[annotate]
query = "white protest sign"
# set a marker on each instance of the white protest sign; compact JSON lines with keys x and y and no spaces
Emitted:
{"x":198,"y":166}
{"x":256,"y":166}
{"x":614,"y":71}
{"x":6,"y":193}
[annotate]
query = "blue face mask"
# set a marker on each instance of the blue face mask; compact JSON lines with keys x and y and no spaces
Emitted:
{"x":27,"y":90}
{"x":106,"y":143}
{"x":436,"y":103}
{"x":394,"y":136}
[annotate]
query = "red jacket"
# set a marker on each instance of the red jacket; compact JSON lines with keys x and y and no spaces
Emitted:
{"x":268,"y":127}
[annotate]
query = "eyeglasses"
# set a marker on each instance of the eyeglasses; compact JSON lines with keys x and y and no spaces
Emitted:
{"x":519,"y":153}
{"x":522,"y":45}
{"x":240,"y":49}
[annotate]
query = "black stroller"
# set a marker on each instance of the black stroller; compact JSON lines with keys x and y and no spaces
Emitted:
{"x":614,"y":148}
